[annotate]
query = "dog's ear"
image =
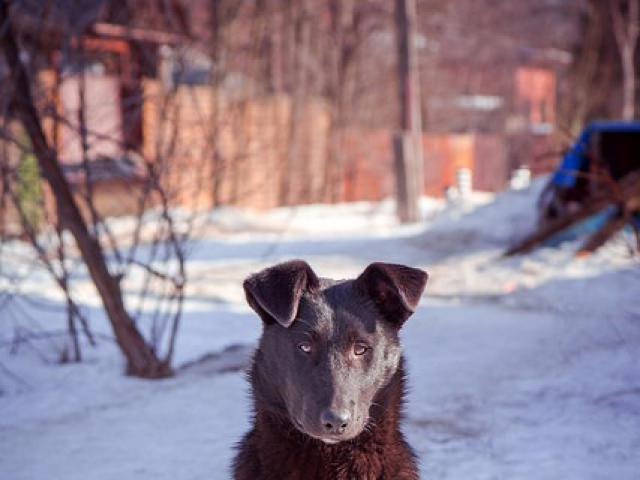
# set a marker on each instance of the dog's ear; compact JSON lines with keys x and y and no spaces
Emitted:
{"x":395,"y":289}
{"x":275,"y":292}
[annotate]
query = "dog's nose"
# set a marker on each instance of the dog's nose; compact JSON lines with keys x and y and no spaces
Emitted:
{"x":335,"y":421}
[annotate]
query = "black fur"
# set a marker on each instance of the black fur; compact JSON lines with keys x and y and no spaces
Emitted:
{"x":327,"y":378}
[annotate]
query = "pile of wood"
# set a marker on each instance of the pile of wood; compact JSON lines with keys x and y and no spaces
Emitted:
{"x":623,"y":193}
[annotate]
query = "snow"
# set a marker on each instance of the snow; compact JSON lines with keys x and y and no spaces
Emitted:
{"x":519,"y":368}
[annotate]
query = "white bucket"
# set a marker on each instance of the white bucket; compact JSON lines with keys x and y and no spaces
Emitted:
{"x":464,"y":182}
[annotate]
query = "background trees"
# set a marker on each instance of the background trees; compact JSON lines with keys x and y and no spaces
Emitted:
{"x":160,"y":110}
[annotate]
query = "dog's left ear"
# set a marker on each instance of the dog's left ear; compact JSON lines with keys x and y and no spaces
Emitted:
{"x":275,"y":292}
{"x":395,"y":289}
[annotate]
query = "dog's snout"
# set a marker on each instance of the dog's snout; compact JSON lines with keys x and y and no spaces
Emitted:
{"x":335,"y":421}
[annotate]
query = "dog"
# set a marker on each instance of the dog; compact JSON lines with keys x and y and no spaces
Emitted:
{"x":327,"y":378}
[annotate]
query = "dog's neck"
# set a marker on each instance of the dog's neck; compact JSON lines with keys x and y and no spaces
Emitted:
{"x":271,"y":421}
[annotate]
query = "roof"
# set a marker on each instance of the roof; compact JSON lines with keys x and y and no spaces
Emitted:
{"x":71,"y":16}
{"x":155,"y":21}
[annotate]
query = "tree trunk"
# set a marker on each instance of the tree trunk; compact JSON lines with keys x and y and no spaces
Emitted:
{"x":141,"y":360}
{"x":626,"y":34}
{"x":628,"y":84}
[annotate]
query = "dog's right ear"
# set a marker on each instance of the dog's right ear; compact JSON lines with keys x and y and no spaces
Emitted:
{"x":275,"y":292}
{"x":395,"y":289}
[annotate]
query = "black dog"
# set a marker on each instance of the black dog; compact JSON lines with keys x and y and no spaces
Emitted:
{"x":327,"y":378}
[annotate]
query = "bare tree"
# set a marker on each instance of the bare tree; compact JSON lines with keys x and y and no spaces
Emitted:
{"x":626,"y":28}
{"x":351,"y":25}
{"x":298,"y":32}
{"x":163,"y":260}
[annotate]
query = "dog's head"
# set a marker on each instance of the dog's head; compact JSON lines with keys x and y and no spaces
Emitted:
{"x":329,"y":347}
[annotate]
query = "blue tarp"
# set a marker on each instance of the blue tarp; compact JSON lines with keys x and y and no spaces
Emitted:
{"x":575,"y":159}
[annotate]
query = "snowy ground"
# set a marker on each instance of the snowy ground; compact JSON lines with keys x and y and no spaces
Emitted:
{"x":522,"y":368}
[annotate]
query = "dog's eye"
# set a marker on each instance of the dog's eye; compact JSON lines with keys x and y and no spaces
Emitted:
{"x":360,"y":348}
{"x":305,"y":347}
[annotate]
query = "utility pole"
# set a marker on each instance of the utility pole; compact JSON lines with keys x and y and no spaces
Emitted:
{"x":407,"y":141}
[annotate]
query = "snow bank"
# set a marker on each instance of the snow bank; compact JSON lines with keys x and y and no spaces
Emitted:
{"x":519,"y":368}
